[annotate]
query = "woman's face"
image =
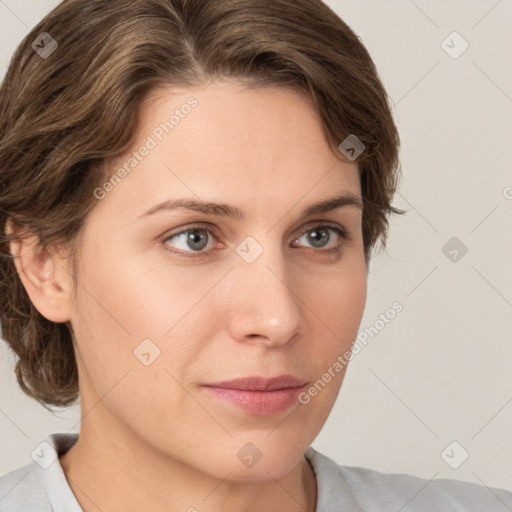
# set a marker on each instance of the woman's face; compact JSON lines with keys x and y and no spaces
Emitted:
{"x":175,"y":299}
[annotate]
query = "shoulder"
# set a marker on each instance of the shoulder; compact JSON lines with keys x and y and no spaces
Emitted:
{"x":40,"y":486}
{"x":23,"y":489}
{"x":364,"y":489}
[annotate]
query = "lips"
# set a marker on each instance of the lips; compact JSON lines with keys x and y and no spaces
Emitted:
{"x":261,"y":383}
{"x":258,"y":395}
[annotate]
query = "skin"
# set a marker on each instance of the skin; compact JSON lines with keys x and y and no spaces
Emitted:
{"x":151,"y":438}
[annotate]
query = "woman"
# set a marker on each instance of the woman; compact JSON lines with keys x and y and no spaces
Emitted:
{"x":191,"y":191}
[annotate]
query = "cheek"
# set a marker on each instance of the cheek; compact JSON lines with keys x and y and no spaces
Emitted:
{"x":127,"y":356}
{"x":137,"y":316}
{"x":339,"y":305}
{"x":333,"y":315}
{"x":340,"y":300}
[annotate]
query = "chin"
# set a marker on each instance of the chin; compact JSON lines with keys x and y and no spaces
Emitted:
{"x":257,"y":462}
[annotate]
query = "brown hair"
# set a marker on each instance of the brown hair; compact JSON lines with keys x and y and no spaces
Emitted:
{"x":62,"y":115}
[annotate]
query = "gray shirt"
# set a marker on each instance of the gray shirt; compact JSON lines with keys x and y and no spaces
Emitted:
{"x":41,"y":486}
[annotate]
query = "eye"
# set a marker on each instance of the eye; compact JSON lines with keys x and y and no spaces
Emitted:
{"x":319,"y":237}
{"x":191,"y":240}
{"x":195,"y":240}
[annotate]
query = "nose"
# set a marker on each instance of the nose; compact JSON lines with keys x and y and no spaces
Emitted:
{"x":265,"y":306}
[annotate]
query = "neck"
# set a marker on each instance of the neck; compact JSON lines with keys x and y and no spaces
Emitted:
{"x":115,"y":470}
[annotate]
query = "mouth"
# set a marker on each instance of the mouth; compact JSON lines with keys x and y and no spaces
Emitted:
{"x":259,"y":395}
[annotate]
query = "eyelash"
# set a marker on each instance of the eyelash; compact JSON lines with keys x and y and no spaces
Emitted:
{"x":340,"y":231}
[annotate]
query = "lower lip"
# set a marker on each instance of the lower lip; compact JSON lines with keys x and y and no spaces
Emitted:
{"x":259,"y":402}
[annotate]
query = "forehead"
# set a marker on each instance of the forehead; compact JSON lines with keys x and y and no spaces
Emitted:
{"x":233,"y":115}
{"x":225,"y":140}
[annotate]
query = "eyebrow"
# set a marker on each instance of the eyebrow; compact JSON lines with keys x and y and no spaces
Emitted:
{"x":230,"y":211}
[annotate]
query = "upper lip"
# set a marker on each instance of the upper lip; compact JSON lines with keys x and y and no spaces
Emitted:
{"x":260,"y":383}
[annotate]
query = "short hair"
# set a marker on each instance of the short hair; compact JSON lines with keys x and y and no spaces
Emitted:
{"x":63,"y":115}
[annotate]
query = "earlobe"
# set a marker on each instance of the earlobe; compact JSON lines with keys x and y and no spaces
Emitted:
{"x":43,"y":274}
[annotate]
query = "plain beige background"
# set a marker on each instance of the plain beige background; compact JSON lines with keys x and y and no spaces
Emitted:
{"x":441,"y":371}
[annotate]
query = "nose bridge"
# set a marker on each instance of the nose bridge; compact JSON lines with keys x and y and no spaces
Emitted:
{"x":267,"y":305}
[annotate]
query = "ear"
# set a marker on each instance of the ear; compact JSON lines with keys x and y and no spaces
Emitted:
{"x":44,"y":274}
